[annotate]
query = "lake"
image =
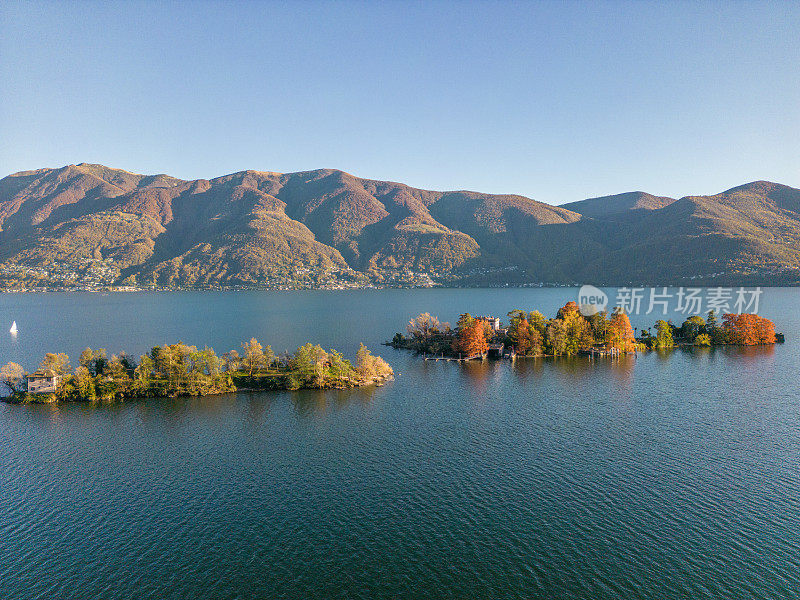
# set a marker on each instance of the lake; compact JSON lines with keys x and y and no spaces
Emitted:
{"x":667,"y":475}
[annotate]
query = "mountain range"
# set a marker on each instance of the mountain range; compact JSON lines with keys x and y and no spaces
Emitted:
{"x":86,"y":225}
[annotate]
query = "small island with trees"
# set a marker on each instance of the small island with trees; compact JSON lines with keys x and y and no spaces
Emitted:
{"x":181,"y":370}
{"x":531,"y":334}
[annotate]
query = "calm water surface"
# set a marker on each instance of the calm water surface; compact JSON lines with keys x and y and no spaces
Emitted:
{"x":663,"y":476}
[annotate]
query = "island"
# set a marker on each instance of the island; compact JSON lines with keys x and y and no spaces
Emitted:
{"x":571,"y":332}
{"x":181,"y":370}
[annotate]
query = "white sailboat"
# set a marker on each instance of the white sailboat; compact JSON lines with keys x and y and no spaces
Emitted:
{"x":13,"y":329}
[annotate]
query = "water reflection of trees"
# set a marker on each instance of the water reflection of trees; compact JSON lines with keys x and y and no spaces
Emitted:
{"x":481,"y":375}
{"x":310,"y":403}
{"x":573,"y":367}
{"x":172,"y":412}
{"x":528,"y":368}
{"x":748,"y":354}
{"x":743,"y":354}
{"x":479,"y":372}
{"x":256,"y":406}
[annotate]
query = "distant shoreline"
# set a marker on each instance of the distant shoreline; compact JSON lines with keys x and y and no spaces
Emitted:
{"x":129,"y":290}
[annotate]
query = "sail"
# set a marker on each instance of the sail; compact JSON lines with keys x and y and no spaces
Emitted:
{"x":13,"y":327}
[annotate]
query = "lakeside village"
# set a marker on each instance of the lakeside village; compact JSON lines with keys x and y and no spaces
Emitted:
{"x":181,"y":370}
{"x":569,"y":333}
{"x":104,"y":275}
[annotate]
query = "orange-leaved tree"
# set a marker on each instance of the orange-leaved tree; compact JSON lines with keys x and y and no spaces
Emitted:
{"x":748,"y":329}
{"x":471,"y":340}
{"x":570,"y":308}
{"x":579,"y":334}
{"x":527,"y":339}
{"x":620,"y":332}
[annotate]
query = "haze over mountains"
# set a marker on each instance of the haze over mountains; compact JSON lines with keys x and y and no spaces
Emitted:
{"x":89,"y":225}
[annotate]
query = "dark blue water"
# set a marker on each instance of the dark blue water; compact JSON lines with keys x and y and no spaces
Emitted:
{"x":662,"y":476}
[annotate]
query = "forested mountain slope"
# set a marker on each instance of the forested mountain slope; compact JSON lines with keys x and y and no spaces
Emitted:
{"x":89,"y":225}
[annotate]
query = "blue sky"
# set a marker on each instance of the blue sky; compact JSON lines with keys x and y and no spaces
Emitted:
{"x":556,"y":101}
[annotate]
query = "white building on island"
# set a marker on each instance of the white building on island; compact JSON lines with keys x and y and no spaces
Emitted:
{"x":494,"y":322}
{"x":43,"y":382}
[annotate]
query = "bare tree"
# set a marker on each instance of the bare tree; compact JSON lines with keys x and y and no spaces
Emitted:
{"x":12,"y":375}
{"x":423,"y":326}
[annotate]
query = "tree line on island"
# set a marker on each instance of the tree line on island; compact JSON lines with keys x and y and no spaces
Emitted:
{"x":180,"y":370}
{"x":570,"y":333}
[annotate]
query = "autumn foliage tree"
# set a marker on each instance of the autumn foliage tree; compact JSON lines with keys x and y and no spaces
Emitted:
{"x":369,"y":366}
{"x":748,"y":329}
{"x":94,"y":361}
{"x":620,"y":332}
{"x":58,"y":363}
{"x":471,"y":340}
{"x":569,"y":309}
{"x":578,"y":329}
{"x":519,"y":333}
{"x":255,"y":357}
{"x":556,"y":337}
{"x":528,"y":340}
{"x":569,"y":333}
{"x":525,"y":332}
